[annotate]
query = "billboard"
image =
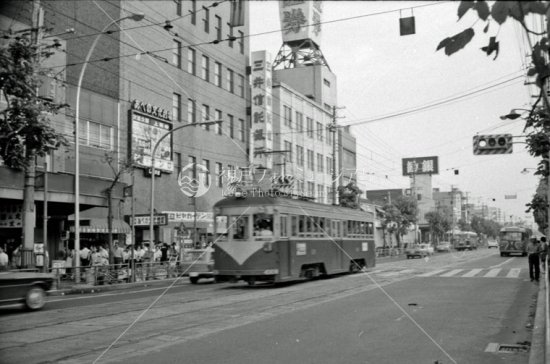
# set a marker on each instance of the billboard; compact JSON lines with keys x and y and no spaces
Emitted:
{"x":301,"y":20}
{"x":420,"y":165}
{"x":145,"y":131}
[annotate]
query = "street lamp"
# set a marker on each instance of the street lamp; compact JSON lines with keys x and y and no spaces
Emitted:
{"x":152,"y":197}
{"x":134,"y":17}
{"x":513,"y":114}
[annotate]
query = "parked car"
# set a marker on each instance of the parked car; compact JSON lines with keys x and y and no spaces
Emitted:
{"x":25,"y":287}
{"x":421,"y":250}
{"x":443,"y":246}
{"x":492,"y":244}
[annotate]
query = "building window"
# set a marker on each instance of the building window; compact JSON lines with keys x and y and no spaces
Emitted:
{"x":231,"y":126}
{"x":205,"y":68}
{"x":178,"y":163}
{"x":310,"y":160}
{"x":206,"y":163}
{"x":219,"y":174}
{"x":176,"y":107}
{"x":218,"y":28}
{"x":218,"y":74}
{"x":330,"y":136}
{"x":178,"y":7}
{"x":191,"y":118}
{"x":288,"y":147}
{"x":230,"y":36}
{"x":320,"y":160}
{"x":240,"y":86}
{"x":299,"y":122}
{"x":320,"y":193}
{"x":191,"y":61}
{"x":176,"y":54}
{"x":230,"y":81}
{"x":242,"y":130}
{"x":193,"y":12}
{"x":311,"y":189}
{"x":300,"y":155}
{"x":206,"y":19}
{"x":218,"y":116}
{"x":205,"y":116}
{"x":326,"y":82}
{"x":309,"y":122}
{"x":96,"y":135}
{"x":193,"y":162}
{"x":287,"y":114}
{"x":241,"y":42}
{"x":319,"y":131}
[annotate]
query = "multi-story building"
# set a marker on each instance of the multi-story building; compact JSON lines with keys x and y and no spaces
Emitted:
{"x":183,"y":63}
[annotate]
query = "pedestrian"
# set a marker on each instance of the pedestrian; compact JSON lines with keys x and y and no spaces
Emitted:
{"x":164,"y":253}
{"x":533,"y":249}
{"x":118,"y":255}
{"x":543,"y":253}
{"x":16,"y":257}
{"x":85,"y":254}
{"x":4,"y":260}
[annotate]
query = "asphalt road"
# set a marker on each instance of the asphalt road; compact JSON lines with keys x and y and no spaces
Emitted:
{"x":450,"y":308}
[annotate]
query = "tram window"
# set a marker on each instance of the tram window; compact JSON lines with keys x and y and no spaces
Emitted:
{"x":240,"y":227}
{"x":322,"y":228}
{"x":301,"y":224}
{"x":370,"y":228}
{"x":263,"y":225}
{"x":328,"y":227}
{"x":221,"y":226}
{"x":309,"y":224}
{"x":283,"y":225}
{"x":294,"y":225}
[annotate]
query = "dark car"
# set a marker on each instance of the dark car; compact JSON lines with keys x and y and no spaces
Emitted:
{"x":25,"y":287}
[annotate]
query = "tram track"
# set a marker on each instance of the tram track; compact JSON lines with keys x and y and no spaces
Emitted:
{"x":210,"y":317}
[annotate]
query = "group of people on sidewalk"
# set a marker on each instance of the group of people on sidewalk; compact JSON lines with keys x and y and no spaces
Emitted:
{"x":537,"y":250}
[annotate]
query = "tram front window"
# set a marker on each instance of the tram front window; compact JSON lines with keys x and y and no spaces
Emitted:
{"x":263,"y":225}
{"x":239,"y":226}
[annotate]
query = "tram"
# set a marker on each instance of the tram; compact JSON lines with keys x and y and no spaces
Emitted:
{"x":278,"y":239}
{"x":513,"y":240}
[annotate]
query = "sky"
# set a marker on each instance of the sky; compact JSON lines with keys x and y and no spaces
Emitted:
{"x":381,"y":73}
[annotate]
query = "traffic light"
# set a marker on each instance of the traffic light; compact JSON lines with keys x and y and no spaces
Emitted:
{"x":493,"y":144}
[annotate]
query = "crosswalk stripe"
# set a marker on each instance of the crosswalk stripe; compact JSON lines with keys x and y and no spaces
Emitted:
{"x":388,"y":274}
{"x":513,"y":273}
{"x":492,"y":273}
{"x":432,"y":273}
{"x":452,"y":273}
{"x":472,"y":273}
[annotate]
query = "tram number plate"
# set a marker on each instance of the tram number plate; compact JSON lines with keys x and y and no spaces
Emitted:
{"x":301,"y":249}
{"x":365,"y":247}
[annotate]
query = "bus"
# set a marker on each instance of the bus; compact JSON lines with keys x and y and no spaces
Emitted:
{"x":513,"y":240}
{"x":462,"y":240}
{"x":278,"y":239}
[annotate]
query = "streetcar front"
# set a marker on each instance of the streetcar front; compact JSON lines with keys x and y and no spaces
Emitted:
{"x":244,"y":247}
{"x":513,"y":240}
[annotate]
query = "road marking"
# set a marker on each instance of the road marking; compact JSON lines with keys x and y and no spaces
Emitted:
{"x":513,"y":273}
{"x":492,"y":273}
{"x":499,"y":264}
{"x":452,"y":273}
{"x":388,"y":274}
{"x":472,"y":273}
{"x":492,"y":348}
{"x":432,"y":273}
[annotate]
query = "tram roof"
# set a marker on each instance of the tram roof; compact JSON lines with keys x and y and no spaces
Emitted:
{"x":287,"y":202}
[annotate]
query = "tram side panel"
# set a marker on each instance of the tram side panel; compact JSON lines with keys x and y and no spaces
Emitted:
{"x":361,"y":251}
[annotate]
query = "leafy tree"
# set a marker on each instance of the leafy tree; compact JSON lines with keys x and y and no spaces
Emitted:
{"x":464,"y":225}
{"x":439,"y":223}
{"x":538,"y":120}
{"x":399,"y":216}
{"x":348,"y":195}
{"x":25,"y":129}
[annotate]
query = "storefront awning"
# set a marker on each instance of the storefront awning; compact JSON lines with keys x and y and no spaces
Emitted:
{"x":100,"y":226}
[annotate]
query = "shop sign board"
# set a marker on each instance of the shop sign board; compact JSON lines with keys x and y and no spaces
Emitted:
{"x":144,"y":220}
{"x":145,"y":131}
{"x":420,"y":165}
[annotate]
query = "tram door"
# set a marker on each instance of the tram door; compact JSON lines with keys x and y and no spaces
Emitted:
{"x":284,"y":247}
{"x":335,"y":229}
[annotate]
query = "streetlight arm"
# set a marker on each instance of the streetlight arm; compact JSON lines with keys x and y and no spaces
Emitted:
{"x":153,"y":152}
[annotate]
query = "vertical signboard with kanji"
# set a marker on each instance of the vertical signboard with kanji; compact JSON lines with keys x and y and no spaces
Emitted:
{"x":261,"y":139}
{"x":301,"y":20}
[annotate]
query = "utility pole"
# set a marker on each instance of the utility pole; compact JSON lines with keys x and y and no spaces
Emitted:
{"x":45,"y":214}
{"x":29,"y":208}
{"x":332,"y":129}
